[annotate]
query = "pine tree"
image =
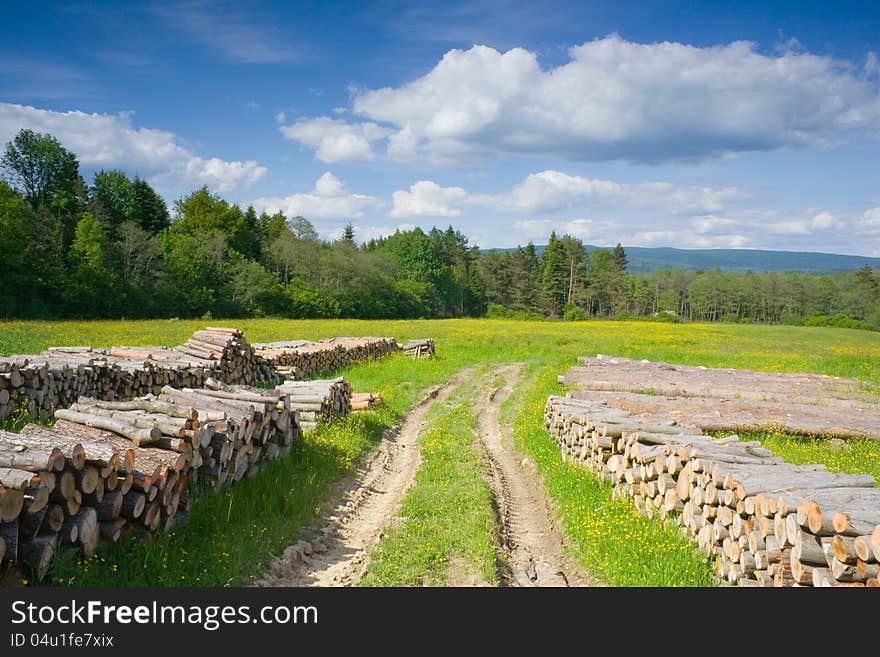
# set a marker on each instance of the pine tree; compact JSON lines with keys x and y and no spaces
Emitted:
{"x":554,"y":276}
{"x":152,"y":213}
{"x":620,"y":257}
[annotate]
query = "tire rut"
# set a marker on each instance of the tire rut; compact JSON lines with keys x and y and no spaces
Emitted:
{"x":531,"y":545}
{"x":370,"y":498}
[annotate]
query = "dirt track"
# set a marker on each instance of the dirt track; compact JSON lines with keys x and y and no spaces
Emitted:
{"x":530,"y":541}
{"x":370,"y":499}
{"x":531,"y":546}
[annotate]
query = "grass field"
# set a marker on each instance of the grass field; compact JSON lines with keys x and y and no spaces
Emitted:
{"x":232,"y":535}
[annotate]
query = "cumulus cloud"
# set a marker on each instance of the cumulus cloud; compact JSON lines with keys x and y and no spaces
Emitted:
{"x":334,"y":140}
{"x":427,"y":198}
{"x":615,"y":99}
{"x":552,"y":192}
{"x":583,"y":229}
{"x":328,"y":200}
{"x":110,"y":140}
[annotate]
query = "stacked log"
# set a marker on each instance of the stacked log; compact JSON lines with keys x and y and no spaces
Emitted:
{"x":364,"y":401}
{"x":317,"y":400}
{"x":718,"y":400}
{"x":765,"y":522}
{"x":237,"y":361}
{"x":107,"y":468}
{"x":58,"y":376}
{"x":419,"y":348}
{"x":300,"y":359}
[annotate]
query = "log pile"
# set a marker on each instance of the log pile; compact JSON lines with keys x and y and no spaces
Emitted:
{"x":301,"y":359}
{"x":110,"y":467}
{"x":766,"y":522}
{"x":364,"y":401}
{"x":58,"y":376}
{"x":317,"y":400}
{"x":419,"y":348}
{"x":716,"y":399}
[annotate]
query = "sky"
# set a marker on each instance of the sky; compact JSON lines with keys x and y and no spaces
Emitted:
{"x":685,"y":124}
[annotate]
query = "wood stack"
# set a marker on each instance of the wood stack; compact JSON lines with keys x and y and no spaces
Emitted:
{"x":364,"y":401}
{"x":237,"y":361}
{"x":318,"y":400}
{"x":108,"y":467}
{"x":765,"y":521}
{"x":716,"y":400}
{"x":58,"y":376}
{"x":419,"y":348}
{"x":301,"y":359}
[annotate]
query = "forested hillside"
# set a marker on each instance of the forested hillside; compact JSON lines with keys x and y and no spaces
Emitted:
{"x":113,"y":248}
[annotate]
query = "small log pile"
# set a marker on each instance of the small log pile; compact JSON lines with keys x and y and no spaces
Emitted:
{"x":364,"y":401}
{"x":767,"y":522}
{"x":58,"y":376}
{"x":419,"y":348}
{"x":318,"y":400}
{"x":301,"y":359}
{"x":107,"y":468}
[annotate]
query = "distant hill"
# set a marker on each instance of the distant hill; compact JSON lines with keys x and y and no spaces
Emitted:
{"x":648,"y":259}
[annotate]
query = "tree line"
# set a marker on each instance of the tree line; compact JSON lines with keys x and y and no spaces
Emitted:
{"x":114,"y":249}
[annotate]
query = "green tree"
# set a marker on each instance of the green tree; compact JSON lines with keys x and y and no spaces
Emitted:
{"x":620,"y":257}
{"x":116,"y":194}
{"x":348,"y":233}
{"x":202,"y":213}
{"x":47,"y":175}
{"x":152,"y":213}
{"x":554,"y":276}
{"x":303,"y":229}
{"x":45,"y":171}
{"x":90,"y":285}
{"x":575,"y":257}
{"x":16,"y":223}
{"x":141,"y":268}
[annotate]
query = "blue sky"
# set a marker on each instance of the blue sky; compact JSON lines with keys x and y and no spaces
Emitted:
{"x":718,"y":125}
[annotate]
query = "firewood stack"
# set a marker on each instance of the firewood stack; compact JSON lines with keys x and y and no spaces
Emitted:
{"x":106,"y":468}
{"x":58,"y":376}
{"x":300,"y":359}
{"x":364,"y":401}
{"x":318,"y":400}
{"x":419,"y":348}
{"x":237,"y":361}
{"x":766,"y":522}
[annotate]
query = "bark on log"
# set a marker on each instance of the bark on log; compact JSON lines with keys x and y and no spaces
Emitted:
{"x":140,"y":437}
{"x":37,"y":554}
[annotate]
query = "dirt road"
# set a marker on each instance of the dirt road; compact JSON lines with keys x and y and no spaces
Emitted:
{"x":531,"y":542}
{"x":531,"y":546}
{"x":338,"y":556}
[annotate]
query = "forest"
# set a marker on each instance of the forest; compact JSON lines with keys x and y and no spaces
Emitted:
{"x":113,"y":248}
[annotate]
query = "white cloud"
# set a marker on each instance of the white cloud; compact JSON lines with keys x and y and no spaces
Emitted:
{"x":583,"y":229}
{"x":328,"y":200}
{"x":110,"y":140}
{"x":334,"y":140}
{"x":823,"y":221}
{"x":281,"y":118}
{"x":427,"y":198}
{"x":551,"y":192}
{"x":712,"y":224}
{"x":619,"y":99}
